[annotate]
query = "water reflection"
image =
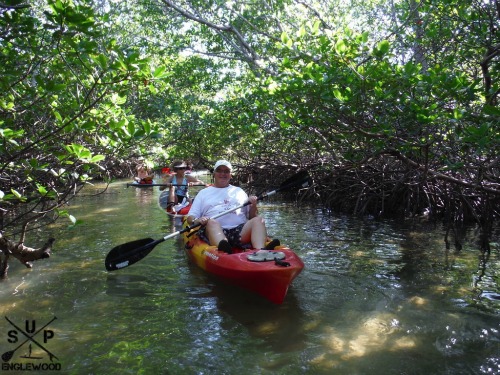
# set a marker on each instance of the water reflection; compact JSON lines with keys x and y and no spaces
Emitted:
{"x":279,"y":326}
{"x":126,"y":285}
{"x":145,"y":197}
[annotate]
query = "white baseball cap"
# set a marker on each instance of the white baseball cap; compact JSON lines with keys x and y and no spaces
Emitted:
{"x":223,"y":162}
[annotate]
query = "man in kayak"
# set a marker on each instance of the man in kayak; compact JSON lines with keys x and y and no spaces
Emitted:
{"x":239,"y":228}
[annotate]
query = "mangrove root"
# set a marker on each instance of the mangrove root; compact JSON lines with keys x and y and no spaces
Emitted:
{"x":23,"y":253}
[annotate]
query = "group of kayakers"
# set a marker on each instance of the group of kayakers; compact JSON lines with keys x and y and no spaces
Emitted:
{"x":241,"y":228}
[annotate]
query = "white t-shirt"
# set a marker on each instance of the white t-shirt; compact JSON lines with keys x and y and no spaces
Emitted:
{"x":212,"y":201}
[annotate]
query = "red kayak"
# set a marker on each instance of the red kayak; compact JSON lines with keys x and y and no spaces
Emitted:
{"x":265,"y":272}
{"x":176,"y":211}
{"x":182,"y":212}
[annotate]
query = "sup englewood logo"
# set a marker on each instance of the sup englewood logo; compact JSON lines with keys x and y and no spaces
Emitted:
{"x":29,"y":348}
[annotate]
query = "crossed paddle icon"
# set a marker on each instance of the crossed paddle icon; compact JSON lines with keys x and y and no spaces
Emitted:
{"x":6,"y":357}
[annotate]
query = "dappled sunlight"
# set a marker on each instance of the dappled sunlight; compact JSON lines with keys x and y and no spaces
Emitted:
{"x":90,"y":263}
{"x":403,"y":343}
{"x":442,"y":289}
{"x":335,"y":343}
{"x":376,"y":333}
{"x":107,"y":210}
{"x":312,"y":324}
{"x":379,"y":262}
{"x":324,"y":362}
{"x":267,"y":328}
{"x":362,"y":345}
{"x":370,"y":336}
{"x":45,"y":303}
{"x":418,"y":301}
{"x":464,"y":290}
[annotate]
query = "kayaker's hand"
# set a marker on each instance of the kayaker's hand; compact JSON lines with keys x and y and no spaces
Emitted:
{"x":201,"y":220}
{"x":253,"y":199}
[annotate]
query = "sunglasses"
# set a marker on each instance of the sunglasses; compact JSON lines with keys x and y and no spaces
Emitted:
{"x":179,"y":168}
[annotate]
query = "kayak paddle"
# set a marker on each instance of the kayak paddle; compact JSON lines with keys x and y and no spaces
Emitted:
{"x":148,"y":185}
{"x":129,"y":253}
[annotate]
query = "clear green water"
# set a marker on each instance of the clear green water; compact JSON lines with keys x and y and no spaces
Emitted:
{"x":374,"y":298}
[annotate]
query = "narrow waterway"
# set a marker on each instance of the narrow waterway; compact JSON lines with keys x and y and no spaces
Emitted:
{"x":375,"y":297}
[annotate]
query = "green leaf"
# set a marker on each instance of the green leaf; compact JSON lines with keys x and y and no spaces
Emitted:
{"x":97,"y":158}
{"x":18,"y":195}
{"x":491,"y":110}
{"x":131,"y":128}
{"x":42,"y":190}
{"x":457,"y":114}
{"x":302,"y":32}
{"x":284,"y":37}
{"x":58,"y":87}
{"x":338,"y":94}
{"x":58,"y":116}
{"x":160,"y":72}
{"x":340,"y":47}
{"x":118,"y":99}
{"x":382,"y":48}
{"x":102,"y":61}
{"x":315,"y":27}
{"x":88,"y":125}
{"x":147,"y":126}
{"x":6,"y":105}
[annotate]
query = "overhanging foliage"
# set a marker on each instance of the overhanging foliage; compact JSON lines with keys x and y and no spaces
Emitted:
{"x":350,"y":90}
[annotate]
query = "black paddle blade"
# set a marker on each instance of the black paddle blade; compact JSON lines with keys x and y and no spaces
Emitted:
{"x":306,"y":181}
{"x":129,"y":253}
{"x":301,"y":178}
{"x":297,"y":179}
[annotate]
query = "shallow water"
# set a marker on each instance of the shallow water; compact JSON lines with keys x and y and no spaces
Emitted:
{"x":374,"y":298}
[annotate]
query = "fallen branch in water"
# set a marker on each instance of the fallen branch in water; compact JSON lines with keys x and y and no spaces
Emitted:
{"x":23,"y":253}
